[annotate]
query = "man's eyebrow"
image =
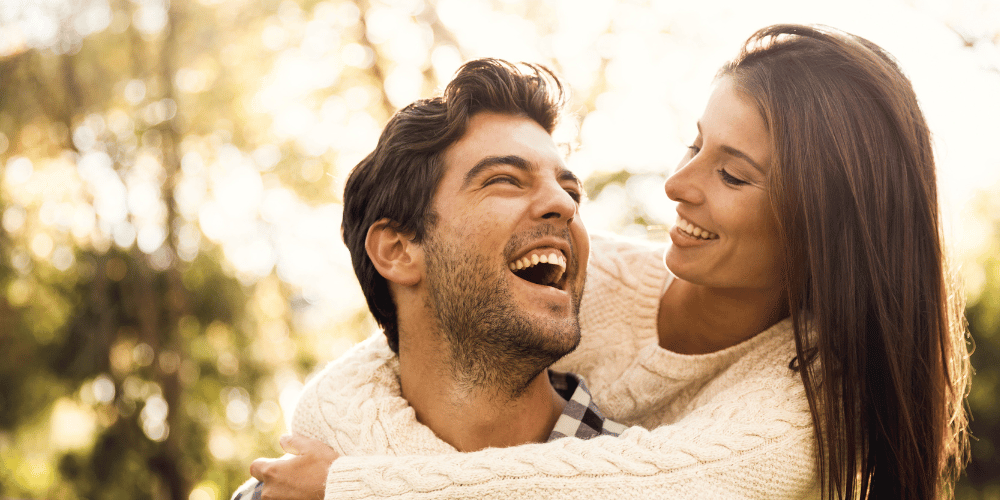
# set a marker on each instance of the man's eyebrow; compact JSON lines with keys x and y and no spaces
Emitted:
{"x":735,"y":152}
{"x":566,"y":175}
{"x":490,"y":161}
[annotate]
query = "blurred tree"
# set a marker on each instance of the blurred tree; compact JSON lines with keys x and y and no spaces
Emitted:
{"x":983,"y":312}
{"x":97,"y":329}
{"x":982,"y":479}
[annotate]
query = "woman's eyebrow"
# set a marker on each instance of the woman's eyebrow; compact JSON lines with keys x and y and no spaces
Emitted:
{"x":735,"y":152}
{"x":740,"y":154}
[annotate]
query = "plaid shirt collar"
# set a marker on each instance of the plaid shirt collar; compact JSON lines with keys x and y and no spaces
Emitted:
{"x":580,"y":418}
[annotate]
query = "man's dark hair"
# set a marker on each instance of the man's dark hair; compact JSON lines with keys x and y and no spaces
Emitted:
{"x":398,"y":179}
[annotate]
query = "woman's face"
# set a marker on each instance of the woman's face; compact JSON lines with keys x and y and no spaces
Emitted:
{"x":726,"y":234}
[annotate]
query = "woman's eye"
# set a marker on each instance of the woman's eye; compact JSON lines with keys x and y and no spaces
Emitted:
{"x":729,"y":179}
{"x":693,"y":149}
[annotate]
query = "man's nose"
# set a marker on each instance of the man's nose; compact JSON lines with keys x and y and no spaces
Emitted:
{"x":556,"y":203}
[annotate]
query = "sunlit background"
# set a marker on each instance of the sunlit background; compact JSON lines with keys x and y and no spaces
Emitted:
{"x":171,"y":268}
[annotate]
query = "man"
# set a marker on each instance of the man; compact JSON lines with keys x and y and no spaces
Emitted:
{"x":464,"y":233}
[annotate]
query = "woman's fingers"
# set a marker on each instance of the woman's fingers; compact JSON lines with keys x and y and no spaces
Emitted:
{"x":301,"y":445}
{"x":260,"y":467}
{"x":299,"y":475}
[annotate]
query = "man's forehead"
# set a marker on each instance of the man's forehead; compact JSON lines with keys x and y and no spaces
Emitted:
{"x":495,"y":140}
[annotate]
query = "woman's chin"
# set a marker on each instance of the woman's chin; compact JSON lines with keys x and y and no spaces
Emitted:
{"x":679,"y":266}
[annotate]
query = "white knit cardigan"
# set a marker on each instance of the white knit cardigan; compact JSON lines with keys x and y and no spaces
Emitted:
{"x":731,"y":424}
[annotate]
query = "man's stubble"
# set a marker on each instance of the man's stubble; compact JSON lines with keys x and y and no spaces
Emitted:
{"x":494,"y":347}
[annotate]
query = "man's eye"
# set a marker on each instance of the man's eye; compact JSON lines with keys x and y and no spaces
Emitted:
{"x":573,"y":193}
{"x":729,"y":179}
{"x":501,"y":179}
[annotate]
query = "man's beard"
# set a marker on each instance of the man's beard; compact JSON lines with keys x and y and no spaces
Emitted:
{"x":494,"y":347}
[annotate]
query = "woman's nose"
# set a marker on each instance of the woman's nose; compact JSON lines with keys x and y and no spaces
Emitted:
{"x":683,"y":186}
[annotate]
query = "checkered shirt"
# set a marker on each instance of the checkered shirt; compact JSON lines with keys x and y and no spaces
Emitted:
{"x":251,"y":490}
{"x":580,"y":418}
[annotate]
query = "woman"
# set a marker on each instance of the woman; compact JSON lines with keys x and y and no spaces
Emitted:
{"x":808,"y":342}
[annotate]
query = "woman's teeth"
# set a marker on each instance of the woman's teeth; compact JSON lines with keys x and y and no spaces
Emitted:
{"x":694,"y":230}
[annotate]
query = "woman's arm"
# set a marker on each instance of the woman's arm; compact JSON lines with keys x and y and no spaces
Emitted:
{"x":753,"y":440}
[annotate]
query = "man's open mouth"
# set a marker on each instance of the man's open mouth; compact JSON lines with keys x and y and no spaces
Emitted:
{"x":541,"y":266}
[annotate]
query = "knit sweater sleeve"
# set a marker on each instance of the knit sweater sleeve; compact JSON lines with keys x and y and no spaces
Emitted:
{"x":753,"y":441}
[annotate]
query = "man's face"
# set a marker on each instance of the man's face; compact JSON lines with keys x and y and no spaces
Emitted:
{"x":506,"y":258}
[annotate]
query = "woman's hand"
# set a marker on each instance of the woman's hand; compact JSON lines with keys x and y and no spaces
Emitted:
{"x":301,"y":475}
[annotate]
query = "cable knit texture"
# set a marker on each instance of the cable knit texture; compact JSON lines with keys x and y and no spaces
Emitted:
{"x":731,"y":424}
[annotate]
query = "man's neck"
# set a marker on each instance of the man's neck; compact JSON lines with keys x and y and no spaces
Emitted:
{"x":473,"y":418}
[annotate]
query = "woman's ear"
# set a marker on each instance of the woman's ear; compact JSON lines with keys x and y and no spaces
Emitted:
{"x":394,"y":253}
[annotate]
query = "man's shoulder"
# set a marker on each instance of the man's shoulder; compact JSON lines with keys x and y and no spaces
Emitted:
{"x":369,"y":363}
{"x":366,"y":357}
{"x":332,"y":396}
{"x":355,"y":405}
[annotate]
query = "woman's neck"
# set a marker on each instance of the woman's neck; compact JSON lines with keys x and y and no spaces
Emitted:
{"x":695,"y":319}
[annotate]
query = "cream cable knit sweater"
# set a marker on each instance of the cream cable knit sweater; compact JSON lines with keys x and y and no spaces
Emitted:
{"x":731,"y":424}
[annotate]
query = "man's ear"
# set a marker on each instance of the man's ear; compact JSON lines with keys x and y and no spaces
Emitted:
{"x":394,"y":253}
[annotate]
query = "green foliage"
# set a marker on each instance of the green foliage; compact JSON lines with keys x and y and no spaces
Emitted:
{"x":983,"y":313}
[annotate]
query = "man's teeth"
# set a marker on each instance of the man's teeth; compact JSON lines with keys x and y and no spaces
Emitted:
{"x":552,"y":258}
{"x":694,"y":230}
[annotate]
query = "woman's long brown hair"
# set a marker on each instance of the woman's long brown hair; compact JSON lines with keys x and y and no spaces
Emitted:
{"x":879,"y":333}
